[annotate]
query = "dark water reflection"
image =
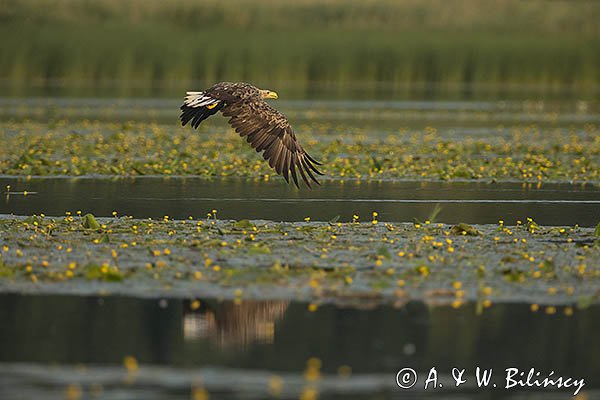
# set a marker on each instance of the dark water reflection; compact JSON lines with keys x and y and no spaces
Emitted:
{"x":279,"y":337}
{"x":550,"y":204}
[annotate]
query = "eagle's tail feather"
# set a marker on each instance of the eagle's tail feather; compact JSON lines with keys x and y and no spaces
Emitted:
{"x":197,"y":106}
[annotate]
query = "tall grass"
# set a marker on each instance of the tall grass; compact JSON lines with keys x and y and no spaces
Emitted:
{"x":336,"y":42}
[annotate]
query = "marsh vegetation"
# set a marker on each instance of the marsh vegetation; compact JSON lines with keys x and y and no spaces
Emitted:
{"x":404,"y":47}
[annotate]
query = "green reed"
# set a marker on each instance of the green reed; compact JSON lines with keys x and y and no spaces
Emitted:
{"x":461,"y":42}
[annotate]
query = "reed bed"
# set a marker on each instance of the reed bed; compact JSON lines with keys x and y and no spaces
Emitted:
{"x":337,"y":42}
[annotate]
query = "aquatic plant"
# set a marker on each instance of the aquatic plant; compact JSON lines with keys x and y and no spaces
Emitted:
{"x":342,"y":262}
{"x":525,"y":154}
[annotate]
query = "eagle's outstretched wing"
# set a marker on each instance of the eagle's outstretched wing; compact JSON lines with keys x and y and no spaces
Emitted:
{"x":267,"y":130}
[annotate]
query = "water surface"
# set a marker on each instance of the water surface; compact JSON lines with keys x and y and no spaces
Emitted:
{"x":176,"y":342}
{"x":550,"y":204}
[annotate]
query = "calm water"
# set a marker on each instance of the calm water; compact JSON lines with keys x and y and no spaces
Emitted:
{"x":44,"y":337}
{"x":551,"y":204}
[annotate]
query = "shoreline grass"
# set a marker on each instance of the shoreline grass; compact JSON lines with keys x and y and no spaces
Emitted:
{"x":547,"y":44}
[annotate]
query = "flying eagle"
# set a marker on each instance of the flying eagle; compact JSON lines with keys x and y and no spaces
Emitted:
{"x":265,"y":128}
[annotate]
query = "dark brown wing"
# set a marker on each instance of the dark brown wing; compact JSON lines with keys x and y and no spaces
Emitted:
{"x":267,"y":130}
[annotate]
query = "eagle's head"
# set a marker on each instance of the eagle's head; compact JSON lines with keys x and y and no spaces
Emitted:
{"x":267,"y":94}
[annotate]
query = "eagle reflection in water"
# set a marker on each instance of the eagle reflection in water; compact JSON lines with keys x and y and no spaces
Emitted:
{"x":230,"y":324}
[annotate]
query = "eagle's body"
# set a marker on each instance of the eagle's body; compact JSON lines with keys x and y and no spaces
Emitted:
{"x":265,"y":128}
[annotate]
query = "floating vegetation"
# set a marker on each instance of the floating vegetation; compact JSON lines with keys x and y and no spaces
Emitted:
{"x":347,"y":262}
{"x":89,"y":222}
{"x":134,"y":149}
{"x":464,"y":229}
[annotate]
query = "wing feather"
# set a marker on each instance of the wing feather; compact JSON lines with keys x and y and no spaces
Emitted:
{"x":280,"y":158}
{"x":262,"y":142}
{"x":269,"y":132}
{"x":299,"y":164}
{"x":285,"y":166}
{"x":307,"y":169}
{"x":293,"y":170}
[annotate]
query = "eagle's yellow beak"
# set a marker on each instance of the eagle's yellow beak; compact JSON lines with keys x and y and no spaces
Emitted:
{"x":267,"y":94}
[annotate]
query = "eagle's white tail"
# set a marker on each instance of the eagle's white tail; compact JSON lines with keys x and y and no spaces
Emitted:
{"x":198,"y":99}
{"x":197,"y":106}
